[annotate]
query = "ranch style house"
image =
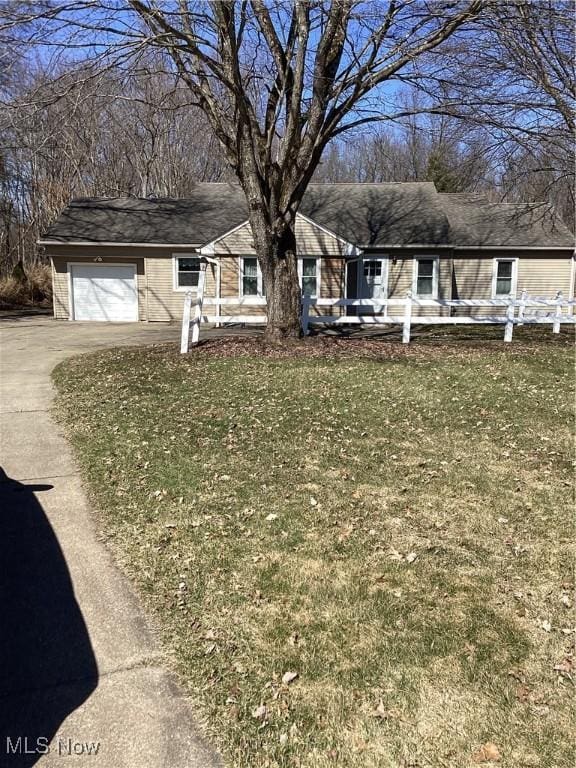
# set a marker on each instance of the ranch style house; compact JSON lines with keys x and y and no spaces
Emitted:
{"x":133,"y":259}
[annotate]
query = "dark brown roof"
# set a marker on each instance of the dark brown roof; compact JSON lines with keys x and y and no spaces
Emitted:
{"x":376,"y":215}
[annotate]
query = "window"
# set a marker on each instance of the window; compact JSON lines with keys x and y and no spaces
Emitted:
{"x":186,"y":272}
{"x":372,"y":268}
{"x":504,"y":277}
{"x":425,"y":284}
{"x":374,"y":278}
{"x":250,"y":277}
{"x":308,"y":274}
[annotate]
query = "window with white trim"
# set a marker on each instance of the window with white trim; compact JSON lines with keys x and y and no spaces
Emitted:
{"x":504,"y":277}
{"x":425,"y":284}
{"x":250,"y":277}
{"x":308,"y":276}
{"x":186,"y":271}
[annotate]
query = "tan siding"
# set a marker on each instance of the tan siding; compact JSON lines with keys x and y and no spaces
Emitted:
{"x":310,"y":241}
{"x":400,"y":281}
{"x":164,"y":302}
{"x":60,"y":288}
{"x":332,"y":275}
{"x":230,"y":277}
{"x":230,"y":289}
{"x":157,"y":299}
{"x":332,"y":278}
{"x":544,"y":277}
{"x":540,"y":276}
{"x":473,"y":280}
{"x":331,"y":285}
{"x":313,"y":241}
{"x":399,"y":277}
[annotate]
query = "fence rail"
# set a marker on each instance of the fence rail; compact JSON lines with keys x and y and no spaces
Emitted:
{"x":509,"y":319}
{"x":407,"y":319}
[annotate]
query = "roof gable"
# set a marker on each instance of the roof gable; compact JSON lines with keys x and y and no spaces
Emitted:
{"x":312,"y":239}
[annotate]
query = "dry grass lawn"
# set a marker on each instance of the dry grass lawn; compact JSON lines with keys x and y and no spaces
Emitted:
{"x":395,"y":528}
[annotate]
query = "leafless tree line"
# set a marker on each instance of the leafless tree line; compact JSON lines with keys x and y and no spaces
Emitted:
{"x":94,"y":134}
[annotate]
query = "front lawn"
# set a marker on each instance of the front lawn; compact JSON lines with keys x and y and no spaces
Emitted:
{"x":395,"y":531}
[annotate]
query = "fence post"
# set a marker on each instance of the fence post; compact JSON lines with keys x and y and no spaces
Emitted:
{"x":407,"y":319}
{"x":184,"y":339}
{"x":522,"y":307}
{"x":305,"y":314}
{"x":558,"y":313}
{"x":198,"y":306}
{"x":510,"y":319}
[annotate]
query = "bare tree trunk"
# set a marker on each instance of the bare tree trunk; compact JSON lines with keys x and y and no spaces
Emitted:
{"x":276,"y":252}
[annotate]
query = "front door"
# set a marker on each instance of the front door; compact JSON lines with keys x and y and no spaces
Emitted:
{"x":373,"y":279}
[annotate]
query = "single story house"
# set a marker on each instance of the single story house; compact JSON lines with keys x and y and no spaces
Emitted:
{"x":128,"y":259}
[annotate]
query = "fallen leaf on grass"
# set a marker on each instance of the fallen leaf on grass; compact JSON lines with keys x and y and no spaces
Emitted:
{"x":288,"y":677}
{"x":208,"y":649}
{"x":523,"y":693}
{"x":399,"y":557}
{"x":566,"y":666}
{"x":487,"y":753}
{"x":381,"y":710}
{"x":260,"y":712}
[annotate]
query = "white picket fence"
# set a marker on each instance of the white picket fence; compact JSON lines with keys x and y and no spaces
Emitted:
{"x":551,"y":313}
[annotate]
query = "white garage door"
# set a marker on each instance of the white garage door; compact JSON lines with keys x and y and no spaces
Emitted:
{"x":104,"y":292}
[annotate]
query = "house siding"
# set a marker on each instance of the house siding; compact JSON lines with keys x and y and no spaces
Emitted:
{"x":60,"y":288}
{"x":541,"y":275}
{"x":331,"y":285}
{"x":401,"y":267}
{"x":165,"y":303}
{"x":544,"y":277}
{"x":401,"y":277}
{"x":310,"y":241}
{"x":462,"y":274}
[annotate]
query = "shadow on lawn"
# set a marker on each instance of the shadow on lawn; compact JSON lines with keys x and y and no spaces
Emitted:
{"x":47,"y":665}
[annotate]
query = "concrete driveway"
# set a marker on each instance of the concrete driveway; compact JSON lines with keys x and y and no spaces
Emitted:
{"x":80,"y":668}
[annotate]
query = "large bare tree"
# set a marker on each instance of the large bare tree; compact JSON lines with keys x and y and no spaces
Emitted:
{"x":277,"y":81}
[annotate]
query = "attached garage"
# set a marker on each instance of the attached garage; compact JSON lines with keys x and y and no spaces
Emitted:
{"x":105,"y":292}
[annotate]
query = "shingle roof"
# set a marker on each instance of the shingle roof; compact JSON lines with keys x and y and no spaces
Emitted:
{"x":211,"y":210}
{"x":475,"y":221}
{"x":379,"y":214}
{"x":392,"y":214}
